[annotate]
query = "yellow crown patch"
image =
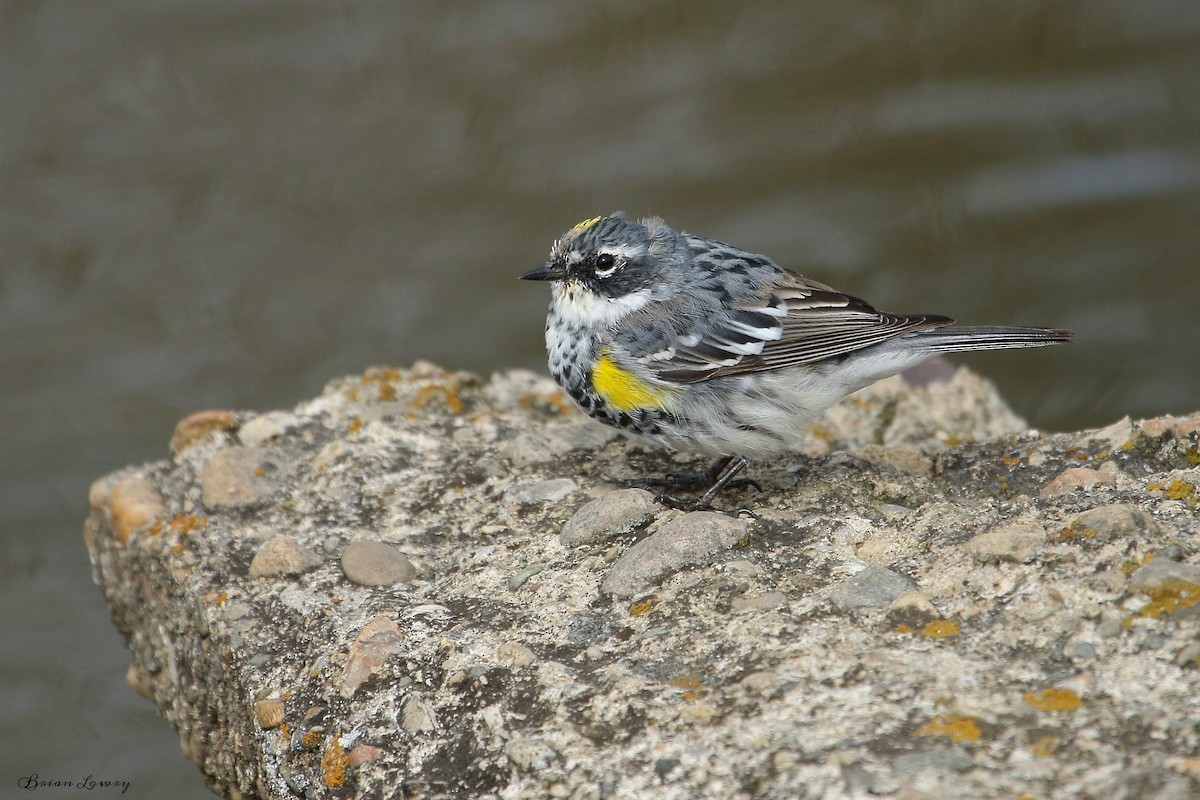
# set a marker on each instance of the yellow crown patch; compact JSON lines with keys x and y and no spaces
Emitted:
{"x":583,"y":226}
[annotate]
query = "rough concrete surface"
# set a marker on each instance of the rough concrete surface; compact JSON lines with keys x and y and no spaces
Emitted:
{"x":382,"y":593}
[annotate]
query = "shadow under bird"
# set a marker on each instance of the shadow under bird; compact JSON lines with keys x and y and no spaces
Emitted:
{"x":699,"y":346}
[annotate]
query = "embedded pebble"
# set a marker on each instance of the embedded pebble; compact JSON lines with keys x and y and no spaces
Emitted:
{"x":417,"y":715}
{"x":552,"y":442}
{"x":1158,"y":573}
{"x":364,"y":754}
{"x":529,"y":754}
{"x":949,"y":760}
{"x":235,"y":477}
{"x":282,"y":555}
{"x":377,"y":640}
{"x":514,"y":655}
{"x":548,"y":491}
{"x":370,"y":563}
{"x":1108,"y":522}
{"x":762,"y":602}
{"x":197,"y":427}
{"x":518,"y":580}
{"x":1077,"y":478}
{"x":133,"y":502}
{"x":269,"y":713}
{"x":873,"y":587}
{"x":613,"y":514}
{"x":1017,"y":542}
{"x":686,"y":541}
{"x":263,"y":428}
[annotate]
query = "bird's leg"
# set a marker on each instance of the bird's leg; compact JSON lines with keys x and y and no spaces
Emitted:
{"x":723,"y":473}
{"x":686,"y":480}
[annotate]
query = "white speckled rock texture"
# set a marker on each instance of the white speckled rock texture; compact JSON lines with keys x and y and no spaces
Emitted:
{"x":931,"y":602}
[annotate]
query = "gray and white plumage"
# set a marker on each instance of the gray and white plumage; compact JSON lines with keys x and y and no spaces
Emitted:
{"x":735,"y":354}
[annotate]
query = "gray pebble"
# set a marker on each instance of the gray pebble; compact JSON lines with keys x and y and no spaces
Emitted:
{"x":529,"y":754}
{"x":1159,"y":572}
{"x":282,"y":555}
{"x":551,"y":491}
{"x":614,"y":514}
{"x":1188,"y":655}
{"x":1017,"y":542}
{"x":948,"y":760}
{"x":1108,"y":522}
{"x":690,"y":540}
{"x":376,"y":564}
{"x":518,"y":580}
{"x":237,"y":477}
{"x":1083,"y":650}
{"x":1110,"y":628}
{"x":872,"y":588}
{"x":416,"y":715}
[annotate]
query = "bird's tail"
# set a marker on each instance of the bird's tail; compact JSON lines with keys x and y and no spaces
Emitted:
{"x":987,"y":337}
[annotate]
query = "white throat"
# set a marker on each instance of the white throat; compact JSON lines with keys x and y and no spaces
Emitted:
{"x":587,"y":308}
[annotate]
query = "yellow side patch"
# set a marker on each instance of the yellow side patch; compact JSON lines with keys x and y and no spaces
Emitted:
{"x":625,"y":391}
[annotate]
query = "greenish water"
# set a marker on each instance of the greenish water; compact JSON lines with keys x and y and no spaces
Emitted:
{"x":224,"y":204}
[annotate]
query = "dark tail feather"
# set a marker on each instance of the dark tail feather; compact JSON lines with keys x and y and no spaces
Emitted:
{"x":988,"y":337}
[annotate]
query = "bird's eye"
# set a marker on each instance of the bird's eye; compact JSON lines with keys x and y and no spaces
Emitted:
{"x":605,"y":264}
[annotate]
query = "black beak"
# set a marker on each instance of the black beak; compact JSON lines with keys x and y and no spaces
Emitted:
{"x":547,"y":272}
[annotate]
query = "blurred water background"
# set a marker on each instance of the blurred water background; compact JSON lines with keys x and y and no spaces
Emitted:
{"x":224,"y":204}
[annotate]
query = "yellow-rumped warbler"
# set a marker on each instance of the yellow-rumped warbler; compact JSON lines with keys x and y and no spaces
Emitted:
{"x":694,"y":344}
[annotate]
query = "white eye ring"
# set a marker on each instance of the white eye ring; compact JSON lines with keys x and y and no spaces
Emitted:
{"x":612,"y":264}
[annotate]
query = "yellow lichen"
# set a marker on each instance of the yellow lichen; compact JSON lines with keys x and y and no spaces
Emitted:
{"x":355,"y":425}
{"x":940,"y":628}
{"x":958,"y":728}
{"x":642,"y":607}
{"x":311,"y":738}
{"x":426,"y":394}
{"x":691,"y":684}
{"x":333,"y":764}
{"x":1071,"y":532}
{"x":1053,"y":699}
{"x":1171,"y":596}
{"x":1044,"y":746}
{"x":1181,"y":490}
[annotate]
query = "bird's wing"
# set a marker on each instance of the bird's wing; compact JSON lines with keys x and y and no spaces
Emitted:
{"x":798,"y":322}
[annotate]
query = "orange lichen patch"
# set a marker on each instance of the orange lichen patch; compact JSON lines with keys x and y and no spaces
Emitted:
{"x":958,"y":728}
{"x":692,"y":686}
{"x":1053,"y":699}
{"x":1010,"y":461}
{"x":426,"y":394}
{"x":1044,"y":746}
{"x":902,"y":628}
{"x":940,"y":628}
{"x":312,"y":738}
{"x":186,"y":523}
{"x":1129,"y":567}
{"x":953,"y":441}
{"x":556,"y":401}
{"x":355,"y":425}
{"x":333,"y":764}
{"x":1171,"y":596}
{"x":642,"y":607}
{"x":1182,"y":490}
{"x":196,"y":427}
{"x":1070,"y":532}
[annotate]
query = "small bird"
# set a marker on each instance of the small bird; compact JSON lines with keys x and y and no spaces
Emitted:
{"x":699,"y":346}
